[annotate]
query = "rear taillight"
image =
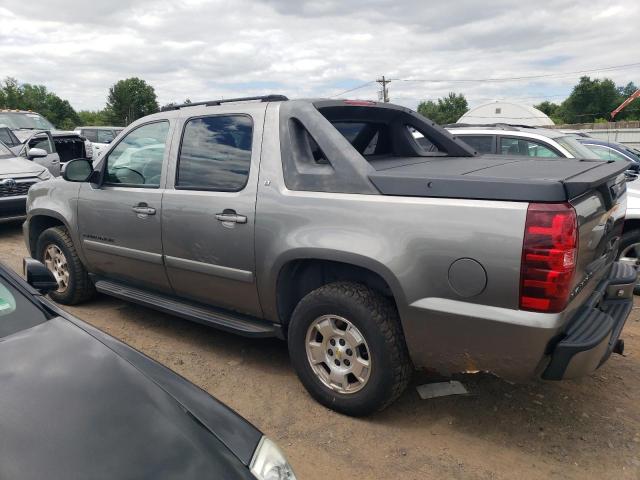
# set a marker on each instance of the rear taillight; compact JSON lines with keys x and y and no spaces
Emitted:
{"x":549,"y":254}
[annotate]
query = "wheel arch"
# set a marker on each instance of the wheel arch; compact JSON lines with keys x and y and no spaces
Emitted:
{"x":300,"y":275}
{"x":38,"y":223}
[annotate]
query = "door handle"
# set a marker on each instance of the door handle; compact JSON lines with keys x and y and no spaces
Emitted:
{"x":144,"y":209}
{"x":231,"y":216}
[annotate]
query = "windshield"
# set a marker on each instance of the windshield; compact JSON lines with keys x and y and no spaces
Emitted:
{"x":31,"y":121}
{"x":17,"y":313}
{"x":575,"y":148}
{"x":4,"y":150}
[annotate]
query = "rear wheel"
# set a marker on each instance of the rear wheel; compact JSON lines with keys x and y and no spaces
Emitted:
{"x":56,"y":250}
{"x":347,"y":347}
{"x":630,"y":251}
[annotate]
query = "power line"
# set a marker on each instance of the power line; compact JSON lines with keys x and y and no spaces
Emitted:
{"x":509,"y":79}
{"x":384,"y":92}
{"x":353,"y":89}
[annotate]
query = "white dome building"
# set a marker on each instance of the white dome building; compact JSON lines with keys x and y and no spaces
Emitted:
{"x":506,"y":112}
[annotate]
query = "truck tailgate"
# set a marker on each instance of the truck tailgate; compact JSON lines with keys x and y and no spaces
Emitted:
{"x":600,"y":212}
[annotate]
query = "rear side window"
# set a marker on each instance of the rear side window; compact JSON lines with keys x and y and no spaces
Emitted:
{"x":480,"y":143}
{"x":215,"y":153}
{"x":104,"y":136}
{"x":527,"y":148}
{"x":90,"y":134}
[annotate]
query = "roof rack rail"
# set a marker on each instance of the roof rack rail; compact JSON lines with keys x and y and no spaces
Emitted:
{"x":211,"y":103}
{"x":500,"y":125}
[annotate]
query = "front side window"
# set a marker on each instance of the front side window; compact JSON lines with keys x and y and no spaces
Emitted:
{"x":606,"y":153}
{"x":215,"y":153}
{"x":137,"y":160}
{"x":527,"y":148}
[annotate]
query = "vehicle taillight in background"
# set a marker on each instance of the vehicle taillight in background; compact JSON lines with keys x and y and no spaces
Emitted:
{"x":549,"y":254}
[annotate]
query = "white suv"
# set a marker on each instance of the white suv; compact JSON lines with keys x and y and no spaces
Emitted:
{"x":521,"y":140}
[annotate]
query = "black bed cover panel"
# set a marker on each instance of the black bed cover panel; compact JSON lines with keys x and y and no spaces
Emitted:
{"x":493,"y":177}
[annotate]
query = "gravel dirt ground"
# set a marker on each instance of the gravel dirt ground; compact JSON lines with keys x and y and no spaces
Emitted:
{"x":588,"y":428}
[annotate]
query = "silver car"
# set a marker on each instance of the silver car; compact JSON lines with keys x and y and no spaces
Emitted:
{"x":326,"y":223}
{"x":17,"y":175}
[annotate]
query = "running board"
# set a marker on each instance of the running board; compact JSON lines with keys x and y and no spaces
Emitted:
{"x":228,"y":321}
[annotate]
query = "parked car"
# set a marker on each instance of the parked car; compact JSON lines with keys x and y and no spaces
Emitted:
{"x":521,"y":140}
{"x":90,"y":406}
{"x":612,"y":150}
{"x":34,"y":131}
{"x":100,"y":137}
{"x":327,"y":224}
{"x":17,"y":175}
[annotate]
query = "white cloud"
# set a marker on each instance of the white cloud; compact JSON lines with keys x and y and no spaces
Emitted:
{"x":207,"y":49}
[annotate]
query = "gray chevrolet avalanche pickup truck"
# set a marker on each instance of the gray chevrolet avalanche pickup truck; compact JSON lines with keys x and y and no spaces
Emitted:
{"x":326,"y":224}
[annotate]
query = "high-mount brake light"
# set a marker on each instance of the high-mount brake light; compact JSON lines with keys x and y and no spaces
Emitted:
{"x":549,"y":255}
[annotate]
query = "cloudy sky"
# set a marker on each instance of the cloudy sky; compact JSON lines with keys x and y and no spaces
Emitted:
{"x":204,"y":49}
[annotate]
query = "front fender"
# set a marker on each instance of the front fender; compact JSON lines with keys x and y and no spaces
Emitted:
{"x":57,"y":199}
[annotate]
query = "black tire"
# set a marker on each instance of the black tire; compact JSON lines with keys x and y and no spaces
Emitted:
{"x":80,"y":287}
{"x":629,"y":238}
{"x":377,"y":320}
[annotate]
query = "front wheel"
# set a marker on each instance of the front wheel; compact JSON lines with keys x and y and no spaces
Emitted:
{"x":629,"y":251}
{"x":56,"y":251}
{"x":348,"y":349}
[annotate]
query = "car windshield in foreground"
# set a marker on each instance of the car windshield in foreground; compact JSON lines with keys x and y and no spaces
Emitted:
{"x":575,"y":148}
{"x":31,"y":121}
{"x":17,"y":312}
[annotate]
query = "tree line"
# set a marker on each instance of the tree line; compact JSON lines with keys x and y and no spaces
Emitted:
{"x":127,"y":100}
{"x":590,"y":101}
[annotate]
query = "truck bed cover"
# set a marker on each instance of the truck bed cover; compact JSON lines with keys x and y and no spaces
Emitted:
{"x":492,"y":177}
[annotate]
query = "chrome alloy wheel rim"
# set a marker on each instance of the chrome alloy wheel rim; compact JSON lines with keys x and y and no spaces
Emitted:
{"x":56,"y":263}
{"x":338,"y":354}
{"x":629,"y":255}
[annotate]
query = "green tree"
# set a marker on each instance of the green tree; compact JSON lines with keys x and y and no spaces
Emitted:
{"x":38,"y":99}
{"x":94,"y":117}
{"x":445,"y":110}
{"x":589,"y":100}
{"x":129,"y":100}
{"x":632,"y":111}
{"x":548,"y":108}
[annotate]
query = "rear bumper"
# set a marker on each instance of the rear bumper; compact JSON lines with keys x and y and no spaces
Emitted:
{"x":592,"y":334}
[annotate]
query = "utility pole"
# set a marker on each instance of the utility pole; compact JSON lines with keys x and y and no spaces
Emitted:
{"x":384,"y":93}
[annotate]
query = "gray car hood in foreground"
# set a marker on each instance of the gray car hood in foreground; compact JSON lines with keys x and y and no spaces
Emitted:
{"x":18,"y":165}
{"x":72,"y":407}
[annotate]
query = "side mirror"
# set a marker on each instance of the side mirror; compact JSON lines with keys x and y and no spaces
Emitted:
{"x":39,"y":276}
{"x":78,"y":170}
{"x":36,"y":153}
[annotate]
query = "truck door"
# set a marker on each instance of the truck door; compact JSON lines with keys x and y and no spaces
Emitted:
{"x":208,"y":217}
{"x":119,"y":222}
